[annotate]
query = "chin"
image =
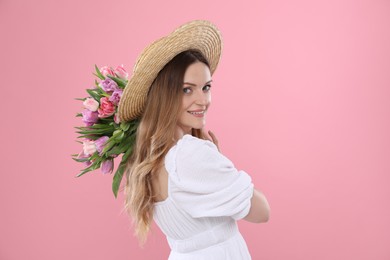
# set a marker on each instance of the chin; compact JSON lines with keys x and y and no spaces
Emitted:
{"x":194,"y":125}
{"x":199,"y":126}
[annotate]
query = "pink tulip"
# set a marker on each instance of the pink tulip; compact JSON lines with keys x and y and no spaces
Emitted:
{"x":117,"y":119}
{"x":89,"y":147}
{"x":107,"y":108}
{"x":91,"y":104}
{"x":121,"y":72}
{"x":107,"y":71}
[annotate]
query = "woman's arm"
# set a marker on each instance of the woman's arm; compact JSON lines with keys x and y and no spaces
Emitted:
{"x":260,"y":209}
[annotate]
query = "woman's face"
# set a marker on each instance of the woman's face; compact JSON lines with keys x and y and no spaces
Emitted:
{"x":196,"y":97}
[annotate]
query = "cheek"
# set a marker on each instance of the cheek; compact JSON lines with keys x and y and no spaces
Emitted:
{"x":186,"y":103}
{"x":184,"y":108}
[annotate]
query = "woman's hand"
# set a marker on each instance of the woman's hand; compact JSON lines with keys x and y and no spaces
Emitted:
{"x":213,"y":139}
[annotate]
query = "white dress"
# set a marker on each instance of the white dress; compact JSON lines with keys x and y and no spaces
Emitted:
{"x":206,"y":196}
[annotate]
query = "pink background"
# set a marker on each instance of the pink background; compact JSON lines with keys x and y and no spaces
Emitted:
{"x":301,"y":101}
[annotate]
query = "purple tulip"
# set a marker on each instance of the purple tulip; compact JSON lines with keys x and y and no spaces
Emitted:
{"x":87,"y":163}
{"x":101,"y":143}
{"x":116,"y":96}
{"x":108,"y":85}
{"x":82,"y":155}
{"x":89,"y":117}
{"x":107,"y":166}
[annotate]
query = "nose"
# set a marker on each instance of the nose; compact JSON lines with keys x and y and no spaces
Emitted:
{"x":202,"y":98}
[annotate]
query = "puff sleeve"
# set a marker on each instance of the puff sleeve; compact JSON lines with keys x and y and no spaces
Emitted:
{"x":206,"y":183}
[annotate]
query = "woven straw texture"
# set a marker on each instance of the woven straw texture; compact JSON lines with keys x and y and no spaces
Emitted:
{"x":199,"y":34}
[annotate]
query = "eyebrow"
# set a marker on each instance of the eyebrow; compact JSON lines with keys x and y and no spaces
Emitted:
{"x":192,"y":84}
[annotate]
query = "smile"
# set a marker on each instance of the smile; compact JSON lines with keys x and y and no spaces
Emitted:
{"x":197,"y":114}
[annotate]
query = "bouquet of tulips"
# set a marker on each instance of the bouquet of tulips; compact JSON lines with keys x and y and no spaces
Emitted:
{"x":103,"y":136}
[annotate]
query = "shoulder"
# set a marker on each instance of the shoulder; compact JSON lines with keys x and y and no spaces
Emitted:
{"x":191,"y":147}
{"x":192,"y":141}
{"x":187,"y":152}
{"x":199,"y":154}
{"x":198,"y":161}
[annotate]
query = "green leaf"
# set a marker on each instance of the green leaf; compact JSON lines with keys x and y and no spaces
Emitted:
{"x":125,"y":126}
{"x":107,"y":119}
{"x":121,"y":82}
{"x":82,"y":99}
{"x":110,"y":143}
{"x":117,"y":132}
{"x":93,"y":94}
{"x":98,"y":74}
{"x":119,"y":173}
{"x":102,"y":126}
{"x":99,"y":88}
{"x":107,"y":132}
{"x":81,"y":159}
{"x":134,"y":126}
{"x":84,"y":128}
{"x":96,"y":157}
{"x":91,"y":137}
{"x":130,"y":149}
{"x":92,"y":132}
{"x":95,"y":130}
{"x":95,"y":165}
{"x":119,"y":138}
{"x":114,"y":150}
{"x":79,"y":115}
{"x":118,"y":178}
{"x":121,"y":147}
{"x":84,"y":172}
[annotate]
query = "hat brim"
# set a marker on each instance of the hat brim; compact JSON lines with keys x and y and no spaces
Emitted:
{"x":199,"y":34}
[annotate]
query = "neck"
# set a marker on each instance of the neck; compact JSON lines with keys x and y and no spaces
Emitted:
{"x":180,"y":132}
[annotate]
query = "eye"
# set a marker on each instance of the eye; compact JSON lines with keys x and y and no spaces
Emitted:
{"x":186,"y":90}
{"x":207,"y":87}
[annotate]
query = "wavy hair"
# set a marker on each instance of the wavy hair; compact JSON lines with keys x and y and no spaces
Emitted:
{"x":155,"y":136}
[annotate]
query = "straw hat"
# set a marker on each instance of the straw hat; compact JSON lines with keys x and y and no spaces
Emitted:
{"x":199,"y":34}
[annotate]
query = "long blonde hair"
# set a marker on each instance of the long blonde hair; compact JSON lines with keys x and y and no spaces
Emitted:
{"x":155,"y":136}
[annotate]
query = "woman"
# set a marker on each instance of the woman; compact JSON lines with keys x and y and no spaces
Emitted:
{"x":177,"y":176}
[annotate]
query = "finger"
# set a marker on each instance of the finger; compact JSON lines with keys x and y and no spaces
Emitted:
{"x":215,"y":140}
{"x":207,"y":136}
